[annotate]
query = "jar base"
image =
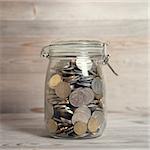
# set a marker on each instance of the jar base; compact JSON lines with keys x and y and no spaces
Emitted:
{"x":84,"y":136}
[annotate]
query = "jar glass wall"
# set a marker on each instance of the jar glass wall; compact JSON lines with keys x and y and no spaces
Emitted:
{"x":74,"y":89}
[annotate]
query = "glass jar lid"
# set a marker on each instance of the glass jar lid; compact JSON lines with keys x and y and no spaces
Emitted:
{"x":74,"y":48}
{"x":78,"y":48}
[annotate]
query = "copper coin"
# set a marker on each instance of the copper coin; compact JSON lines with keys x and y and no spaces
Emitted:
{"x":99,"y":115}
{"x":52,"y":126}
{"x":97,"y":85}
{"x":93,"y":125}
{"x":80,"y":128}
{"x":63,"y":90}
{"x":54,"y":81}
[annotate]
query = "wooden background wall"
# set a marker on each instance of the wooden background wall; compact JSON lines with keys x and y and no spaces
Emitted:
{"x":27,"y":25}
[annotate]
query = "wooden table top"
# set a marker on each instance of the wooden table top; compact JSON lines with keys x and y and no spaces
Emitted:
{"x":27,"y":132}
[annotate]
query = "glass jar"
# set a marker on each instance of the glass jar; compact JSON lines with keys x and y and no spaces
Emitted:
{"x":74,"y":89}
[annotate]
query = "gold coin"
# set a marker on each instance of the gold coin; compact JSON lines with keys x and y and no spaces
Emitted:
{"x":80,"y":128}
{"x":52,"y":126}
{"x":54,"y":81}
{"x":93,"y":125}
{"x":63,"y":90}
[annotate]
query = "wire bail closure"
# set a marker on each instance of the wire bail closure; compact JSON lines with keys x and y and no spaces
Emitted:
{"x":45,"y":51}
{"x":106,"y":59}
{"x":45,"y":54}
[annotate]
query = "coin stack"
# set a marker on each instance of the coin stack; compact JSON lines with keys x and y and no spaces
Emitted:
{"x":74,"y":99}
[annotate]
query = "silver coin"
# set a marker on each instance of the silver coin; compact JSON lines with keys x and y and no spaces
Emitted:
{"x":99,"y":71}
{"x":77,"y":97}
{"x":68,"y":68}
{"x":65,"y":120}
{"x":88,"y":78}
{"x":92,"y":106}
{"x":63,"y":102}
{"x":81,"y":96}
{"x":84,"y":84}
{"x":80,"y":116}
{"x":89,"y":95}
{"x":97,"y":85}
{"x":49,"y":111}
{"x":83,"y":108}
{"x":59,"y":106}
{"x":58,"y":120}
{"x":69,"y":130}
{"x":68,"y":72}
{"x":92,"y":72}
{"x":71,"y":79}
{"x":99,"y":109}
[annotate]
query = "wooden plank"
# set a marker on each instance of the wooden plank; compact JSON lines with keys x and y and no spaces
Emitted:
{"x":27,"y":131}
{"x":22,"y":81}
{"x":72,"y":11}
{"x":74,"y":29}
{"x":21,"y":92}
{"x":79,"y":1}
{"x":20,"y":52}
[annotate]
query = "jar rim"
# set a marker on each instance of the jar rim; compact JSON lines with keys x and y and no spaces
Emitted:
{"x":74,"y":48}
{"x":78,"y":42}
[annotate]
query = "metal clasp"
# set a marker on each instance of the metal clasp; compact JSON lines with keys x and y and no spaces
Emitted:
{"x":106,"y":59}
{"x":45,"y":51}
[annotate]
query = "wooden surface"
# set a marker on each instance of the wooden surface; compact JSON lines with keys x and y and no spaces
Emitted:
{"x":28,"y":25}
{"x":125,"y":131}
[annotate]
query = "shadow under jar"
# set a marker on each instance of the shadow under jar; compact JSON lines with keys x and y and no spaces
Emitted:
{"x":74,"y":89}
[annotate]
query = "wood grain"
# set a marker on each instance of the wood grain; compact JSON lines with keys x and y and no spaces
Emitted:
{"x":39,"y":10}
{"x":75,"y":29}
{"x":79,"y":1}
{"x":27,"y":25}
{"x":27,"y":131}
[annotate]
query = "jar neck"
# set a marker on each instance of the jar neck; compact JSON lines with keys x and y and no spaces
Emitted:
{"x":74,"y":49}
{"x":78,"y":48}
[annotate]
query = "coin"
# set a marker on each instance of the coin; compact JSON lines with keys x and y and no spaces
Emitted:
{"x":63,"y":90}
{"x":83,"y":84}
{"x":81,"y":96}
{"x":54,"y":81}
{"x":89,"y":95}
{"x":97,"y":85}
{"x":80,"y":116}
{"x":68,"y":72}
{"x":85,"y":109}
{"x":99,"y":71}
{"x":52,"y":126}
{"x":71,"y":79}
{"x":76,"y":97}
{"x":49,"y":110}
{"x":99,"y":115}
{"x":68,"y":68}
{"x":99,"y":96}
{"x":93,"y":125}
{"x":86,"y":78}
{"x":80,"y":128}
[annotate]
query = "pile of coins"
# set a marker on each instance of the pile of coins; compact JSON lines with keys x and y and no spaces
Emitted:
{"x":74,"y":103}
